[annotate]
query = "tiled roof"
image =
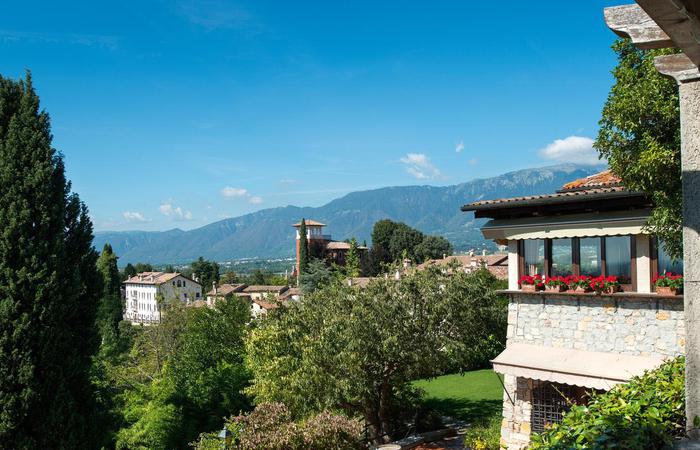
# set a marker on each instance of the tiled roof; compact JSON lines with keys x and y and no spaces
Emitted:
{"x":263,"y":288}
{"x":338,"y":245}
{"x":289,"y":293}
{"x":599,"y":180}
{"x":602,"y":184}
{"x":152,"y":277}
{"x":310,"y":222}
{"x":496,"y":264}
{"x":226,"y":289}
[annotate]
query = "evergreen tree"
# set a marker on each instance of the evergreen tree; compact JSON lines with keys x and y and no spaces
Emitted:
{"x":129,"y":271}
{"x":49,"y":286}
{"x":303,"y":248}
{"x":352,"y":260}
{"x":109,"y":312}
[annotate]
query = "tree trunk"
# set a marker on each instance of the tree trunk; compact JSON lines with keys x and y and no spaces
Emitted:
{"x":384,"y":415}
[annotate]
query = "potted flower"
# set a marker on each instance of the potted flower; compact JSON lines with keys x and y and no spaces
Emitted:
{"x":531,"y":283}
{"x":580,"y":284}
{"x":668,"y":284}
{"x":555,"y":284}
{"x":605,"y":285}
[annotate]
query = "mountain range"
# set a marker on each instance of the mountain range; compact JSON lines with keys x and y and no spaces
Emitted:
{"x":268,"y":233}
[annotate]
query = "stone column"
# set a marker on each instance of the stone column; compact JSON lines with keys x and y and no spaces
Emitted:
{"x":688,"y":77}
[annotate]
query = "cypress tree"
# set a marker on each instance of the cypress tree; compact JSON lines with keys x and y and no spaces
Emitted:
{"x":303,"y":248}
{"x":48,"y":286}
{"x":109,"y":312}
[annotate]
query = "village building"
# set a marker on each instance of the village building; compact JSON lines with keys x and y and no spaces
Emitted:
{"x":562,"y":345}
{"x":496,"y":264}
{"x":146,"y":293}
{"x":322,"y":245}
{"x":262,"y":298}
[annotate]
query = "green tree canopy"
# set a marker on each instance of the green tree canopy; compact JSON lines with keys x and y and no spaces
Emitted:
{"x":49,"y":286}
{"x":640,"y":137}
{"x":109,"y":312}
{"x":206,"y":271}
{"x":358,"y":349}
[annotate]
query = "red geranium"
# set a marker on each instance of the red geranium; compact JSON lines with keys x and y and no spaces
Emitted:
{"x":535,"y":280}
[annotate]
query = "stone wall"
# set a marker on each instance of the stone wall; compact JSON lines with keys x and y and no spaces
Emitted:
{"x":642,"y":325}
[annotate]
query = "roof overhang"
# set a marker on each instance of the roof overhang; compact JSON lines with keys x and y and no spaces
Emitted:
{"x":558,"y":204}
{"x":595,"y":370}
{"x":614,"y":223}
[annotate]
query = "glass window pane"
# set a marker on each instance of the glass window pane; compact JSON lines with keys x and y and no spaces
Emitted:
{"x":618,"y":258}
{"x":591,"y":261}
{"x":534,"y":256}
{"x":666,"y":264}
{"x":562,"y":262}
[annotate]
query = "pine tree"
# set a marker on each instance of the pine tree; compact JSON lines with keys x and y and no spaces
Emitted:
{"x":303,"y":248}
{"x":48,"y":286}
{"x":109,"y":312}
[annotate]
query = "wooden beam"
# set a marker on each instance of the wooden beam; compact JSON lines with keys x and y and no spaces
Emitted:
{"x":631,"y":21}
{"x":678,"y":66}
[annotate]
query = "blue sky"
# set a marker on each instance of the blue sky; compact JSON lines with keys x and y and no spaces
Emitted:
{"x":181,"y":113}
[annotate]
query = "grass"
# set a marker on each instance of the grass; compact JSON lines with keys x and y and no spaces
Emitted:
{"x":475,"y":397}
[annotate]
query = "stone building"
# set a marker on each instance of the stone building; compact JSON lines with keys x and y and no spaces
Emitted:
{"x":562,"y":345}
{"x":496,"y":264}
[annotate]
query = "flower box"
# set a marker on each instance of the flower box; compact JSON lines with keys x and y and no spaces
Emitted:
{"x":668,"y":284}
{"x":531,"y":287}
{"x":665,"y":291}
{"x":556,"y":288}
{"x":582,"y":289}
{"x":613,"y":288}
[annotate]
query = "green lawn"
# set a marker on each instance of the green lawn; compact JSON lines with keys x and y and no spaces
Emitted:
{"x":473,"y":397}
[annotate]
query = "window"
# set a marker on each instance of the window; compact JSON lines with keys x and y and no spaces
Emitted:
{"x":549,"y":403}
{"x":591,"y":257}
{"x":533,"y":251}
{"x":562,"y":258}
{"x":665,"y":263}
{"x":618,"y":258}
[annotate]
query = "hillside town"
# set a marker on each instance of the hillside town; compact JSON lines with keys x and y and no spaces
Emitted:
{"x":567,"y":322}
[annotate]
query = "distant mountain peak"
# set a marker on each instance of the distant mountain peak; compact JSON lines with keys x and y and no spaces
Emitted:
{"x":268,"y":233}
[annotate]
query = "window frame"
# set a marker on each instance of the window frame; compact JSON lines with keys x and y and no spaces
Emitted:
{"x":576,"y":258}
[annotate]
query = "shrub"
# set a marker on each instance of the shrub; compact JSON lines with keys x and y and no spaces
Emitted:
{"x":270,"y":427}
{"x":646,"y":413}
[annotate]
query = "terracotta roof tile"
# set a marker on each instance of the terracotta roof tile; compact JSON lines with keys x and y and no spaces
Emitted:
{"x":152,"y":277}
{"x":598,"y":180}
{"x":226,"y":289}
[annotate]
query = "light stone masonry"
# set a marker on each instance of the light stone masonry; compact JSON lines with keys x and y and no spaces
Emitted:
{"x":630,"y":325}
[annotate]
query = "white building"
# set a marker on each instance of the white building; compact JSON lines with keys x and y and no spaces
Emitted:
{"x":146,"y":292}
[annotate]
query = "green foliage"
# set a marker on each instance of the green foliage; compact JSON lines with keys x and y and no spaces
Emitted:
{"x":303,"y":248}
{"x":128,"y":272}
{"x":270,"y":427}
{"x":433,"y":247}
{"x":392,"y":241}
{"x":352,"y":260}
{"x":109,"y":312}
{"x":143,"y":267}
{"x":358,"y":349}
{"x":317,"y":275}
{"x":646,"y":413}
{"x":182,"y":376}
{"x":640,"y":136}
{"x":207,"y":272}
{"x":261,"y":277}
{"x":49,"y":286}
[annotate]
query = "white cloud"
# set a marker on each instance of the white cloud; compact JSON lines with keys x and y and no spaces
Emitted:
{"x":459,"y":147}
{"x":174,"y":212}
{"x":419,"y":165}
{"x":133,"y":216}
{"x":232,"y":192}
{"x":572,"y":149}
{"x":255,"y":200}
